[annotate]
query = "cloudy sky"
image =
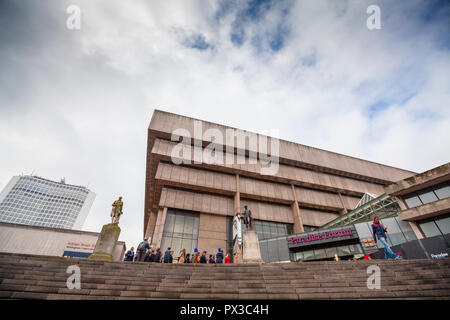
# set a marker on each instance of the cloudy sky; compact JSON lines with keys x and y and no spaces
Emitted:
{"x":77,"y":103}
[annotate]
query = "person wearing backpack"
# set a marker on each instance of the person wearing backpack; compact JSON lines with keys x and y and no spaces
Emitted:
{"x":157,"y":256}
{"x":142,"y":250}
{"x":379,"y":231}
{"x":219,"y":256}
{"x":168,"y":258}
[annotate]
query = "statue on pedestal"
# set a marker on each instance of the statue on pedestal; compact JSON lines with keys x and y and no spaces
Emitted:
{"x":248,"y":220}
{"x":116,"y":211}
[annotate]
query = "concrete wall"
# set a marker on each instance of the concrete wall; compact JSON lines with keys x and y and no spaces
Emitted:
{"x":212,"y":233}
{"x":16,"y":238}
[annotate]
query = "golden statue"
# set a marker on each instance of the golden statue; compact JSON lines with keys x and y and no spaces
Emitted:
{"x":116,"y":211}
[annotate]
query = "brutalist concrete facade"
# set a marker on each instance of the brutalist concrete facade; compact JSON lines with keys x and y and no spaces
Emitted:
{"x":309,"y":187}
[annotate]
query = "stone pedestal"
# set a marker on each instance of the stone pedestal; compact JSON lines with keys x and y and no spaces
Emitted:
{"x":237,"y":252}
{"x":250,"y":247}
{"x":106,"y":243}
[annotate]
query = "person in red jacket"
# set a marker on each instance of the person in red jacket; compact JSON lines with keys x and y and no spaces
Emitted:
{"x":227,"y":259}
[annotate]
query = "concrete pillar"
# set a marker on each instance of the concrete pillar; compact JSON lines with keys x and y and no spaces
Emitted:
{"x":416,"y":230}
{"x":298,"y":222}
{"x":401,"y":203}
{"x":344,"y":209}
{"x":159,"y":228}
{"x":237,"y":197}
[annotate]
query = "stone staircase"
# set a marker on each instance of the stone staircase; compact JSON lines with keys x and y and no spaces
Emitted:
{"x":40,"y":277}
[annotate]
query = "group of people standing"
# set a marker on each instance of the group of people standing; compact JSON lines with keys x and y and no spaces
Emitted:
{"x":145,"y":253}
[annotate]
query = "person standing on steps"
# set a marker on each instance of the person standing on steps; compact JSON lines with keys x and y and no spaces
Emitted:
{"x":168,"y":258}
{"x":195,"y":256}
{"x":129,"y":255}
{"x":157,"y":257}
{"x":203,"y":258}
{"x":182,"y":257}
{"x":227,"y":259}
{"x":142,"y":250}
{"x":219,"y":256}
{"x":379,"y":231}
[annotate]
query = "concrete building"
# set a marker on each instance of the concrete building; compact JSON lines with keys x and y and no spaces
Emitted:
{"x":23,"y":239}
{"x":424,"y":200}
{"x":37,"y":201}
{"x":194,"y":187}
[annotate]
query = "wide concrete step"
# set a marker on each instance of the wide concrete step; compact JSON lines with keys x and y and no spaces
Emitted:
{"x":38,"y":277}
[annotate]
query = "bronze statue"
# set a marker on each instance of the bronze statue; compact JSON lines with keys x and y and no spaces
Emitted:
{"x":248,"y":220}
{"x":116,"y":211}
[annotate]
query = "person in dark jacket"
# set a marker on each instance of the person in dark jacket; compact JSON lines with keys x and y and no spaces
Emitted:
{"x":203,"y":258}
{"x":129,"y":255}
{"x":149,"y":256}
{"x":211,"y":259}
{"x":219,"y":256}
{"x":142,"y":250}
{"x":168,"y":258}
{"x":379,"y":231}
{"x":188,"y":258}
{"x":157,"y":256}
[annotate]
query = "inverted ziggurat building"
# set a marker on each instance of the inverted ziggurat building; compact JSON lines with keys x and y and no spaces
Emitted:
{"x":192,"y":204}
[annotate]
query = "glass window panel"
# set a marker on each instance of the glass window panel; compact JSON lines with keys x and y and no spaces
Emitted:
{"x":429,"y":229}
{"x":443,"y":192}
{"x":330,"y":252}
{"x":281,"y":229}
{"x":273,"y":229}
{"x":196,"y":223}
{"x":170,"y":222}
{"x":343,"y":251}
{"x":413,"y":201}
{"x":406,"y":229}
{"x":179,"y":225}
{"x":319,"y":253}
{"x":308,"y":255}
{"x":176,"y":246}
{"x":187,"y":244}
{"x":393,"y":231}
{"x":188,"y":225}
{"x":258,"y":227}
{"x":266,"y":228}
{"x":428,"y":197}
{"x":165,"y":243}
{"x":364,"y":230}
{"x":444,"y":225}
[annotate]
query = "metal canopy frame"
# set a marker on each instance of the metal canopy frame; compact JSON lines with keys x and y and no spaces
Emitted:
{"x":384,"y":206}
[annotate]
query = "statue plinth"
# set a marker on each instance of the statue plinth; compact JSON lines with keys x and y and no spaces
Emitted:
{"x":106,"y":243}
{"x":251,"y":251}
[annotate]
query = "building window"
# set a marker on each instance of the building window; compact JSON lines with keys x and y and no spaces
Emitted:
{"x":180,"y":231}
{"x":428,"y":197}
{"x":413,"y":201}
{"x":443,"y":192}
{"x":444,"y":225}
{"x":430,"y":229}
{"x":268,"y":229}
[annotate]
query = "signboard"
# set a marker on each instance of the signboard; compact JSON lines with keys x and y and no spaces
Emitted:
{"x":237,"y":230}
{"x":318,"y":237}
{"x":78,"y":249}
